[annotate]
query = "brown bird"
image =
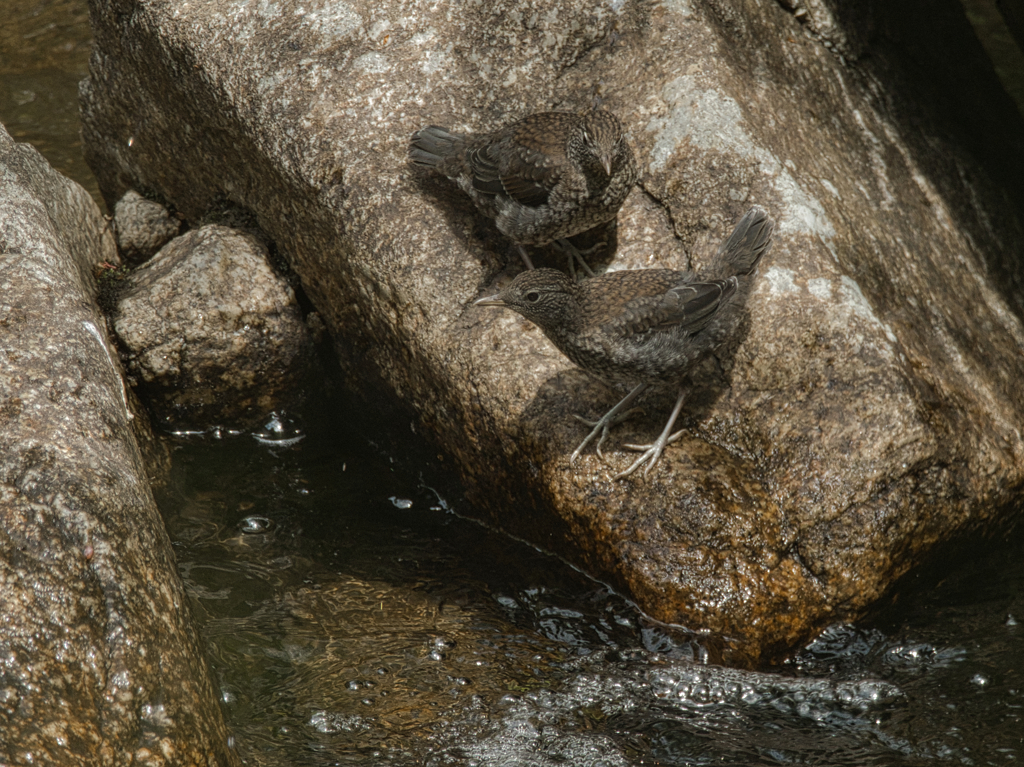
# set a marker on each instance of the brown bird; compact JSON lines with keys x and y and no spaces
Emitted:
{"x":543,"y":178}
{"x":643,"y":327}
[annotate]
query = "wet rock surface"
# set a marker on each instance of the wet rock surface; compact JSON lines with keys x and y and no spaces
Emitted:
{"x":871,"y":408}
{"x":102,"y":664}
{"x":209,"y":332}
{"x":142,"y":226}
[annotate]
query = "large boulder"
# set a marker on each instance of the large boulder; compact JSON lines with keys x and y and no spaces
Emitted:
{"x":102,"y":664}
{"x":872,"y":408}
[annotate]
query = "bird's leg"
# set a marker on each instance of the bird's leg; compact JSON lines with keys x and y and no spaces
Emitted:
{"x":606,"y":421}
{"x":653,"y":451}
{"x":625,"y":415}
{"x":574,"y":256}
{"x":525,"y":256}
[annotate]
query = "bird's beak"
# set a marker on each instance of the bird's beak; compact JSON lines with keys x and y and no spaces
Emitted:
{"x":606,"y":163}
{"x":494,"y":300}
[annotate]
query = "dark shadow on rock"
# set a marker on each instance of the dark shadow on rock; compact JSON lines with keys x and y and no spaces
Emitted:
{"x":940,"y":96}
{"x":474,"y":231}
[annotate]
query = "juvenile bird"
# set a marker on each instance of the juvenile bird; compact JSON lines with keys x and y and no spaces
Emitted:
{"x":643,"y":327}
{"x":543,"y":178}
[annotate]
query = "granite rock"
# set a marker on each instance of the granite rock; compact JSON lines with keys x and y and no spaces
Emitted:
{"x":871,"y":409}
{"x":142,"y":226}
{"x":210,"y":333}
{"x":102,"y":663}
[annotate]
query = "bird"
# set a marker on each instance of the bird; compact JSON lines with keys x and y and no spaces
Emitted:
{"x":543,"y":178}
{"x":643,"y":327}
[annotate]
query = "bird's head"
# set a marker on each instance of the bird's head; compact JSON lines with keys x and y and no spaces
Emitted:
{"x":597,"y":142}
{"x":546,"y":297}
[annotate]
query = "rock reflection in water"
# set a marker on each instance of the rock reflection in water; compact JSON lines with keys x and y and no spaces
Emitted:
{"x":351,"y":629}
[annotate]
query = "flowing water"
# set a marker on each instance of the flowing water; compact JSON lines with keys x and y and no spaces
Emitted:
{"x":355,"y":618}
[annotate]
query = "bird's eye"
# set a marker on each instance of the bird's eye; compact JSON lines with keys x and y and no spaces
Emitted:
{"x":532,"y":297}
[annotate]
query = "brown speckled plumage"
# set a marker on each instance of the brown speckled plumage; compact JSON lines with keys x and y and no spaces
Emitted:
{"x":647,"y":326}
{"x":543,"y":178}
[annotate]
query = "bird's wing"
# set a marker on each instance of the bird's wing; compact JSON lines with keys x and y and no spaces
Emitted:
{"x":686,"y":307}
{"x":690,"y":306}
{"x":529,"y":182}
{"x":484,"y":166}
{"x":524,"y":161}
{"x":518,"y":173}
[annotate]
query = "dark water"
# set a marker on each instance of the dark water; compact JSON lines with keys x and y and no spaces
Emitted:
{"x":44,"y":53}
{"x":354,"y":618}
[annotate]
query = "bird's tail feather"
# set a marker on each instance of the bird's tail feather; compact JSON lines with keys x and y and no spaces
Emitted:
{"x":433,"y":144}
{"x":749,"y":241}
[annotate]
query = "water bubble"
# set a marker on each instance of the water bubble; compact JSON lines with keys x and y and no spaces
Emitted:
{"x":328,"y":723}
{"x":750,"y":696}
{"x":280,"y":430}
{"x":980,"y":679}
{"x":255,"y":525}
{"x":1010,"y":620}
{"x":400,"y":503}
{"x":507,"y":602}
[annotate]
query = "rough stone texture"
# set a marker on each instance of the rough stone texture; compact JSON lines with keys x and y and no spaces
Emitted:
{"x":142,"y":226}
{"x":210,"y":332}
{"x":1014,"y":16}
{"x":100,"y":662}
{"x":874,"y":405}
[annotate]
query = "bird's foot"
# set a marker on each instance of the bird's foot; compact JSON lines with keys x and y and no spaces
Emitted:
{"x":603,"y":424}
{"x":651,"y":454}
{"x":575,"y":256}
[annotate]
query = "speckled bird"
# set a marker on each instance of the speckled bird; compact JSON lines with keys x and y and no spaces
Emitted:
{"x":543,"y":178}
{"x":643,"y":327}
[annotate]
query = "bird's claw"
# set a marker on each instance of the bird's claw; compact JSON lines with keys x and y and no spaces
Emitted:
{"x":651,"y":455}
{"x":574,"y":256}
{"x":603,"y":424}
{"x":598,"y":426}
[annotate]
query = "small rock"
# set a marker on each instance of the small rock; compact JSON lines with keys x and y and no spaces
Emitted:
{"x":210,"y":332}
{"x":142,"y":226}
